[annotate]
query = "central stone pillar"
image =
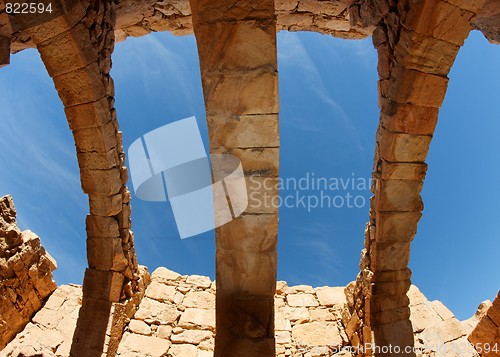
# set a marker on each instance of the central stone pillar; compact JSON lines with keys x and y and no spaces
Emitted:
{"x":237,"y":50}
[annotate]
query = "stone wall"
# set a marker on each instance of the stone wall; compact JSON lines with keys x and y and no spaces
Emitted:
{"x":25,"y":273}
{"x":176,"y":318}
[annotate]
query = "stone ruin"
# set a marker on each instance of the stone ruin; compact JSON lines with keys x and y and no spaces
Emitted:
{"x":120,"y":309}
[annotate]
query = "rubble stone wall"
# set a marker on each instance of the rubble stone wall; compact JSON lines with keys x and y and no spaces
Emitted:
{"x":25,"y":273}
{"x":176,"y":318}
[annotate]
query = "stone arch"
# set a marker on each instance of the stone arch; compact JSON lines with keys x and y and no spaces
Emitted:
{"x":417,"y":43}
{"x":76,"y":49}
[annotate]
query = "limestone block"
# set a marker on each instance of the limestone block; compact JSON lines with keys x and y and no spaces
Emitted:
{"x":202,"y":282}
{"x":388,"y":302}
{"x":396,"y":227}
{"x":152,"y":311}
{"x":423,"y":316}
{"x":390,"y":256}
{"x":164,"y":331}
{"x":442,"y":310}
{"x":200,"y":299}
{"x":389,"y":316}
{"x":317,"y":334}
{"x":262,"y":194}
{"x":219,"y":10}
{"x":398,"y":195}
{"x":439,"y":19}
{"x":194,"y":318}
{"x":143,"y":345}
{"x":192,"y":337}
{"x":97,"y":160}
{"x":398,"y":147}
{"x":106,"y":254}
{"x":408,"y":118}
{"x":295,"y":313}
{"x":308,"y":289}
{"x":181,"y":350}
{"x":139,"y":327}
{"x":102,"y":285}
{"x":89,"y":115}
{"x":80,"y":86}
{"x":160,"y":292}
{"x":102,"y":227}
{"x":250,"y":233}
{"x":413,"y":87}
{"x":103,"y":205}
{"x":283,"y":337}
{"x":68,"y":51}
{"x":331,"y":296}
{"x":321,"y":315}
{"x":256,"y":272}
{"x":470,"y":5}
{"x":444,"y":331}
{"x":424,"y":53}
{"x":101,"y":182}
{"x":238,"y":46}
{"x":164,"y":275}
{"x":285,"y":5}
{"x":322,"y":7}
{"x":301,"y":300}
{"x":262,"y":161}
{"x":100,"y":139}
{"x":246,"y":131}
{"x":281,"y":323}
{"x":402,"y":171}
{"x":494,"y":311}
{"x":485,"y":331}
{"x":289,"y":20}
{"x":396,"y":334}
{"x":48,"y":25}
{"x":251,"y":93}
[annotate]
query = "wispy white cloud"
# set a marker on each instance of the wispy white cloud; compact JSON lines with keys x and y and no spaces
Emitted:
{"x":315,"y":240}
{"x":293,"y":52}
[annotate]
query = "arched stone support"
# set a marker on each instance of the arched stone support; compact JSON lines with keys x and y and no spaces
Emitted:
{"x":76,"y":49}
{"x":237,"y":51}
{"x":417,"y":43}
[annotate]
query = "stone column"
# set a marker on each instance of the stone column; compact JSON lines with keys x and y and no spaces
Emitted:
{"x":237,"y":51}
{"x":75,"y":44}
{"x":417,"y":43}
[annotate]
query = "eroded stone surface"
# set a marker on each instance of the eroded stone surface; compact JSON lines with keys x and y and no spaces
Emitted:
{"x":25,"y":273}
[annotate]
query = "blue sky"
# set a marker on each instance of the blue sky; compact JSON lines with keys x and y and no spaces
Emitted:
{"x":329,"y":115}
